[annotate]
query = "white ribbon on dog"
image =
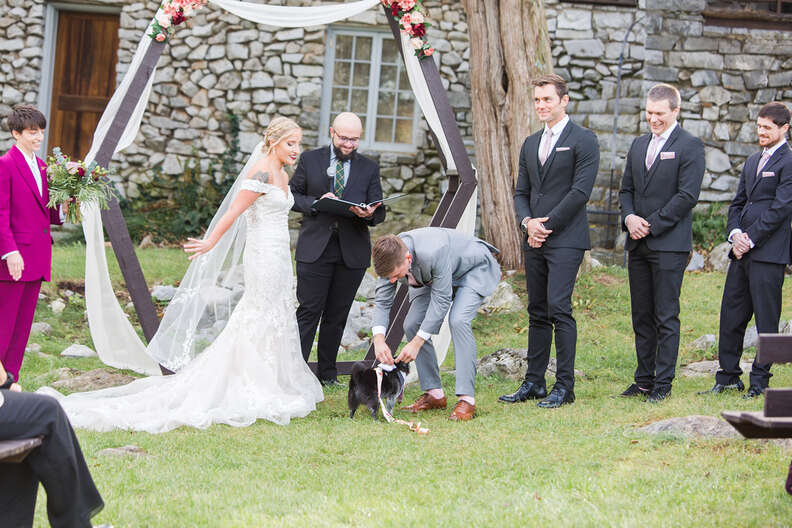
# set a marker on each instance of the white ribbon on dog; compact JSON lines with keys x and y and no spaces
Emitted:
{"x":388,"y":416}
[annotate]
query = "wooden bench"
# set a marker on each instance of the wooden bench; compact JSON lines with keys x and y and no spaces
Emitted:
{"x":12,"y":451}
{"x":775,"y":420}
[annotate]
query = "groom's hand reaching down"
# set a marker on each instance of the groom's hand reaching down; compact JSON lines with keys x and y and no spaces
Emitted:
{"x":381,"y":350}
{"x":410,"y":351}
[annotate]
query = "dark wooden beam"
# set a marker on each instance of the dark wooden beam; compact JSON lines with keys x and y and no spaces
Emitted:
{"x":774,"y":348}
{"x":778,"y":403}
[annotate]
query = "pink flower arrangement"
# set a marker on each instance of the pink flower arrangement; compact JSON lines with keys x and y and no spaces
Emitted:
{"x":409,"y":15}
{"x":171,"y":14}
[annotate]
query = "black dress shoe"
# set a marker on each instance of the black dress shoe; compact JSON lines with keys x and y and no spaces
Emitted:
{"x":635,"y":390}
{"x":658,"y":394}
{"x":719,"y":388}
{"x":753,"y":392}
{"x":527,"y":391}
{"x":331,"y":383}
{"x":557,"y":398}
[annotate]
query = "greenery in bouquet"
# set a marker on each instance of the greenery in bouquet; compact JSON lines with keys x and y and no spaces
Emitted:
{"x":74,"y":181}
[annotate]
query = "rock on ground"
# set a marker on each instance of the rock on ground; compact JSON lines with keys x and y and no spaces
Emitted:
{"x":127,"y":450}
{"x":163,"y":293}
{"x":510,"y":363}
{"x":57,"y":306}
{"x":40,"y":328}
{"x":708,"y":368}
{"x":719,"y":257}
{"x":704,"y":342}
{"x":692,"y":427}
{"x":76,"y":350}
{"x":92,"y":380}
{"x":502,"y":300}
{"x":697,"y":262}
{"x":367,"y":287}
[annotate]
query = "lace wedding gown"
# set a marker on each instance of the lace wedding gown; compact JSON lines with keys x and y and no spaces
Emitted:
{"x":254,"y":369}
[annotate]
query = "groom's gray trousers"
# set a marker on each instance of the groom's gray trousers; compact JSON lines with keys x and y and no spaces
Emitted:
{"x":464,"y":307}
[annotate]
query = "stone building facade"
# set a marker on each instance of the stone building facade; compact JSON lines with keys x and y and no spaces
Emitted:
{"x":223,"y":64}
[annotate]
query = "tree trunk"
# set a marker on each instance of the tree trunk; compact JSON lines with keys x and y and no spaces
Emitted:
{"x":509,"y":45}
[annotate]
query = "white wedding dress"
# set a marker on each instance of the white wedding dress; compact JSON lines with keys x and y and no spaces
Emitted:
{"x":253,"y":369}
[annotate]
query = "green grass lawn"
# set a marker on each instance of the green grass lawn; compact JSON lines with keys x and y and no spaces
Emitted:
{"x":581,"y":465}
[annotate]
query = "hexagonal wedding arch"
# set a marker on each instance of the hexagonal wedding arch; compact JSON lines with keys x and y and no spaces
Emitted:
{"x":115,"y":340}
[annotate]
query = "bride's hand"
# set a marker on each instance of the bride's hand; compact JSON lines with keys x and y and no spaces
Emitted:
{"x":197,"y":247}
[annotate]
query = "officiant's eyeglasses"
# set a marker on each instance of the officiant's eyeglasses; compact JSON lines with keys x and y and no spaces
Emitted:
{"x":349,"y":140}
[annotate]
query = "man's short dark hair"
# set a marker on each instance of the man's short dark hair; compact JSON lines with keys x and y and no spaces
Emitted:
{"x":660,"y":92}
{"x":776,"y":112}
{"x":551,"y":78}
{"x":26,"y":116}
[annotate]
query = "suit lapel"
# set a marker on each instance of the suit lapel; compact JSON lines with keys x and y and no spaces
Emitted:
{"x":534,"y":169}
{"x":667,"y":145}
{"x":642,"y":147}
{"x":777,"y":156}
{"x":353,"y":174}
{"x":324,"y":159}
{"x":549,"y":161}
{"x":27,"y":176}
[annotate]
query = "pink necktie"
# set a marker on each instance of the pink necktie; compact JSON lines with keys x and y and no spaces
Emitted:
{"x":650,"y":157}
{"x":762,"y":162}
{"x":546,"y":148}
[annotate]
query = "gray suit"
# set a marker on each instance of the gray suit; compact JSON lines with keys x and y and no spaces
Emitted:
{"x":449,"y":266}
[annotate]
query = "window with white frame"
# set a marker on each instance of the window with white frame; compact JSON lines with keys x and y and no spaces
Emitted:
{"x":364,"y":74}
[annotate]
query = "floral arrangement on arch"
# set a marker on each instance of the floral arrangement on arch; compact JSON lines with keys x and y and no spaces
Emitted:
{"x":171,"y":14}
{"x":409,"y":14}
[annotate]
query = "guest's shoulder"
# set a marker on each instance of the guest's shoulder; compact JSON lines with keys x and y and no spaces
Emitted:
{"x":583,"y":134}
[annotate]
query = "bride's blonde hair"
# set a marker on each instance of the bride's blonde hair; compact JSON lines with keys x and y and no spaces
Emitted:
{"x":278,"y":129}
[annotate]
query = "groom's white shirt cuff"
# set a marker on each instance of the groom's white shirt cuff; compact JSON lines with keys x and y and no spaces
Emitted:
{"x":375,"y":330}
{"x":8,"y":255}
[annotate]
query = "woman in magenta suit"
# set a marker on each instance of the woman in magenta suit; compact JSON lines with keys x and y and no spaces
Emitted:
{"x":25,"y":242}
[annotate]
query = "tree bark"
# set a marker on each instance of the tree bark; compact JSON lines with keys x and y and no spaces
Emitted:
{"x":509,"y":45}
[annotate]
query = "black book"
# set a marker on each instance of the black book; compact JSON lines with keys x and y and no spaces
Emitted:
{"x":340,"y":207}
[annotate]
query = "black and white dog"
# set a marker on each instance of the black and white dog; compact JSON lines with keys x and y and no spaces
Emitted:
{"x":363,"y":386}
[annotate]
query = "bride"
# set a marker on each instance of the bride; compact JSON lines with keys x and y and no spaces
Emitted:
{"x":253,"y":367}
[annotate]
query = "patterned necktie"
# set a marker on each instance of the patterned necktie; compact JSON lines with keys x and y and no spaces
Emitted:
{"x":338,"y":183}
{"x":546,"y":147}
{"x":762,"y":162}
{"x":652,"y":153}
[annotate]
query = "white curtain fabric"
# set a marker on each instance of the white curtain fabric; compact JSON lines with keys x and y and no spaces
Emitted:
{"x":116,"y":341}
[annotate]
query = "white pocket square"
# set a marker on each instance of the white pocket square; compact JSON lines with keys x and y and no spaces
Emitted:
{"x":667,"y":155}
{"x":768,"y":174}
{"x":561,"y":149}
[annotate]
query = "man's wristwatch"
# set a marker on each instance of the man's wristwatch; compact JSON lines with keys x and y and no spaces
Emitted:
{"x":8,"y":382}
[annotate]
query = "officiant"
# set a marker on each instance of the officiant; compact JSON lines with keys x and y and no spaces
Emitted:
{"x":333,"y":251}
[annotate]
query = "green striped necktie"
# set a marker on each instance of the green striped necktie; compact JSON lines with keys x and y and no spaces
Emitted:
{"x":338,"y":185}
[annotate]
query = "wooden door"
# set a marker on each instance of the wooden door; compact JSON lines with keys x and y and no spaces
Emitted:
{"x":83,"y":80}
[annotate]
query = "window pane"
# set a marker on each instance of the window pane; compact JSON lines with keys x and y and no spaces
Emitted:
{"x":404,"y":128}
{"x":344,"y":46}
{"x":339,"y":100}
{"x":363,"y":48}
{"x":385,"y":103}
{"x":341,"y":73}
{"x":390,"y":51}
{"x":388,"y":78}
{"x":384,"y":132}
{"x":361,"y":74}
{"x":359,"y":101}
{"x":404,"y":81}
{"x":405,"y":107}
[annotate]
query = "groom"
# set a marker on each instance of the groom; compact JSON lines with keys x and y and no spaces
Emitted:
{"x":25,"y":242}
{"x":333,"y":251}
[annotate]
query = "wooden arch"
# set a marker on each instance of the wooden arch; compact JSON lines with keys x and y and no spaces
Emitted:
{"x":461,"y":186}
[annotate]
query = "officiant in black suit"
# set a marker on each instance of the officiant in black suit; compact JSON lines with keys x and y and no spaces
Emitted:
{"x":558,"y":166}
{"x":660,"y":187}
{"x":759,"y":230}
{"x":333,"y":251}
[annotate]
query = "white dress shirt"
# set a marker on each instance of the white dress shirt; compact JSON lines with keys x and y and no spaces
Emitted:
{"x":34,"y":169}
{"x":769,"y":151}
{"x":661,"y":141}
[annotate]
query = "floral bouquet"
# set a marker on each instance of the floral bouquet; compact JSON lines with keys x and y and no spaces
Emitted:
{"x":409,"y":15}
{"x":171,"y":14}
{"x":74,"y":180}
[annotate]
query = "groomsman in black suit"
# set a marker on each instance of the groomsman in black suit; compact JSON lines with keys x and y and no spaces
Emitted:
{"x":759,"y":230}
{"x":660,"y":187}
{"x":333,"y":251}
{"x":558,"y":166}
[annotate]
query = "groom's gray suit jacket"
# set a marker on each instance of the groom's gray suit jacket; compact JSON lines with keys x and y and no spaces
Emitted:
{"x":443,"y":259}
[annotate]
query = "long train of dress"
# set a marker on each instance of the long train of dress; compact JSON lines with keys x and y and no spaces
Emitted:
{"x":254,"y":369}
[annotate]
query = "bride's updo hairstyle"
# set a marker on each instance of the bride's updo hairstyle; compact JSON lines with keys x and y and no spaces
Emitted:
{"x":279,"y":128}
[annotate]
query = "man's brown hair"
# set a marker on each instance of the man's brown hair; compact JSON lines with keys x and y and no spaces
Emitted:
{"x":26,"y":116}
{"x":660,"y":92}
{"x":388,"y":252}
{"x":551,"y":78}
{"x":776,"y":112}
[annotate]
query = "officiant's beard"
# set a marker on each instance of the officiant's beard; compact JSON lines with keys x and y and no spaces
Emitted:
{"x":341,"y":156}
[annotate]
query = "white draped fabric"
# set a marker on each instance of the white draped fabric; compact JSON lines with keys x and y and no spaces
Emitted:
{"x":116,"y":341}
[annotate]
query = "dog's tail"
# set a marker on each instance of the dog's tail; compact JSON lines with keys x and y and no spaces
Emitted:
{"x":357,"y":368}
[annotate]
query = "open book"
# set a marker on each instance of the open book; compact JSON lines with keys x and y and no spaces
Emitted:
{"x":340,"y":207}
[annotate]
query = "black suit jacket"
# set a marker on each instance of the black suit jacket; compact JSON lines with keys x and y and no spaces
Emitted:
{"x":762,"y":206}
{"x":665,"y":194}
{"x":309,"y":182}
{"x":560,"y":188}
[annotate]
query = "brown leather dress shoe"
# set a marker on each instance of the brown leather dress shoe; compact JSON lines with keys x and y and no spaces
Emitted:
{"x":462,"y":411}
{"x":426,"y":402}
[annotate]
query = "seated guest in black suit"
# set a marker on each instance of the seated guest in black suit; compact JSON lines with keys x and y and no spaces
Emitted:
{"x":58,"y":463}
{"x":558,"y":166}
{"x":660,"y":187}
{"x":758,"y":228}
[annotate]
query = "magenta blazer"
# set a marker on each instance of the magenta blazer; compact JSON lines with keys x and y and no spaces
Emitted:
{"x":24,"y":217}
